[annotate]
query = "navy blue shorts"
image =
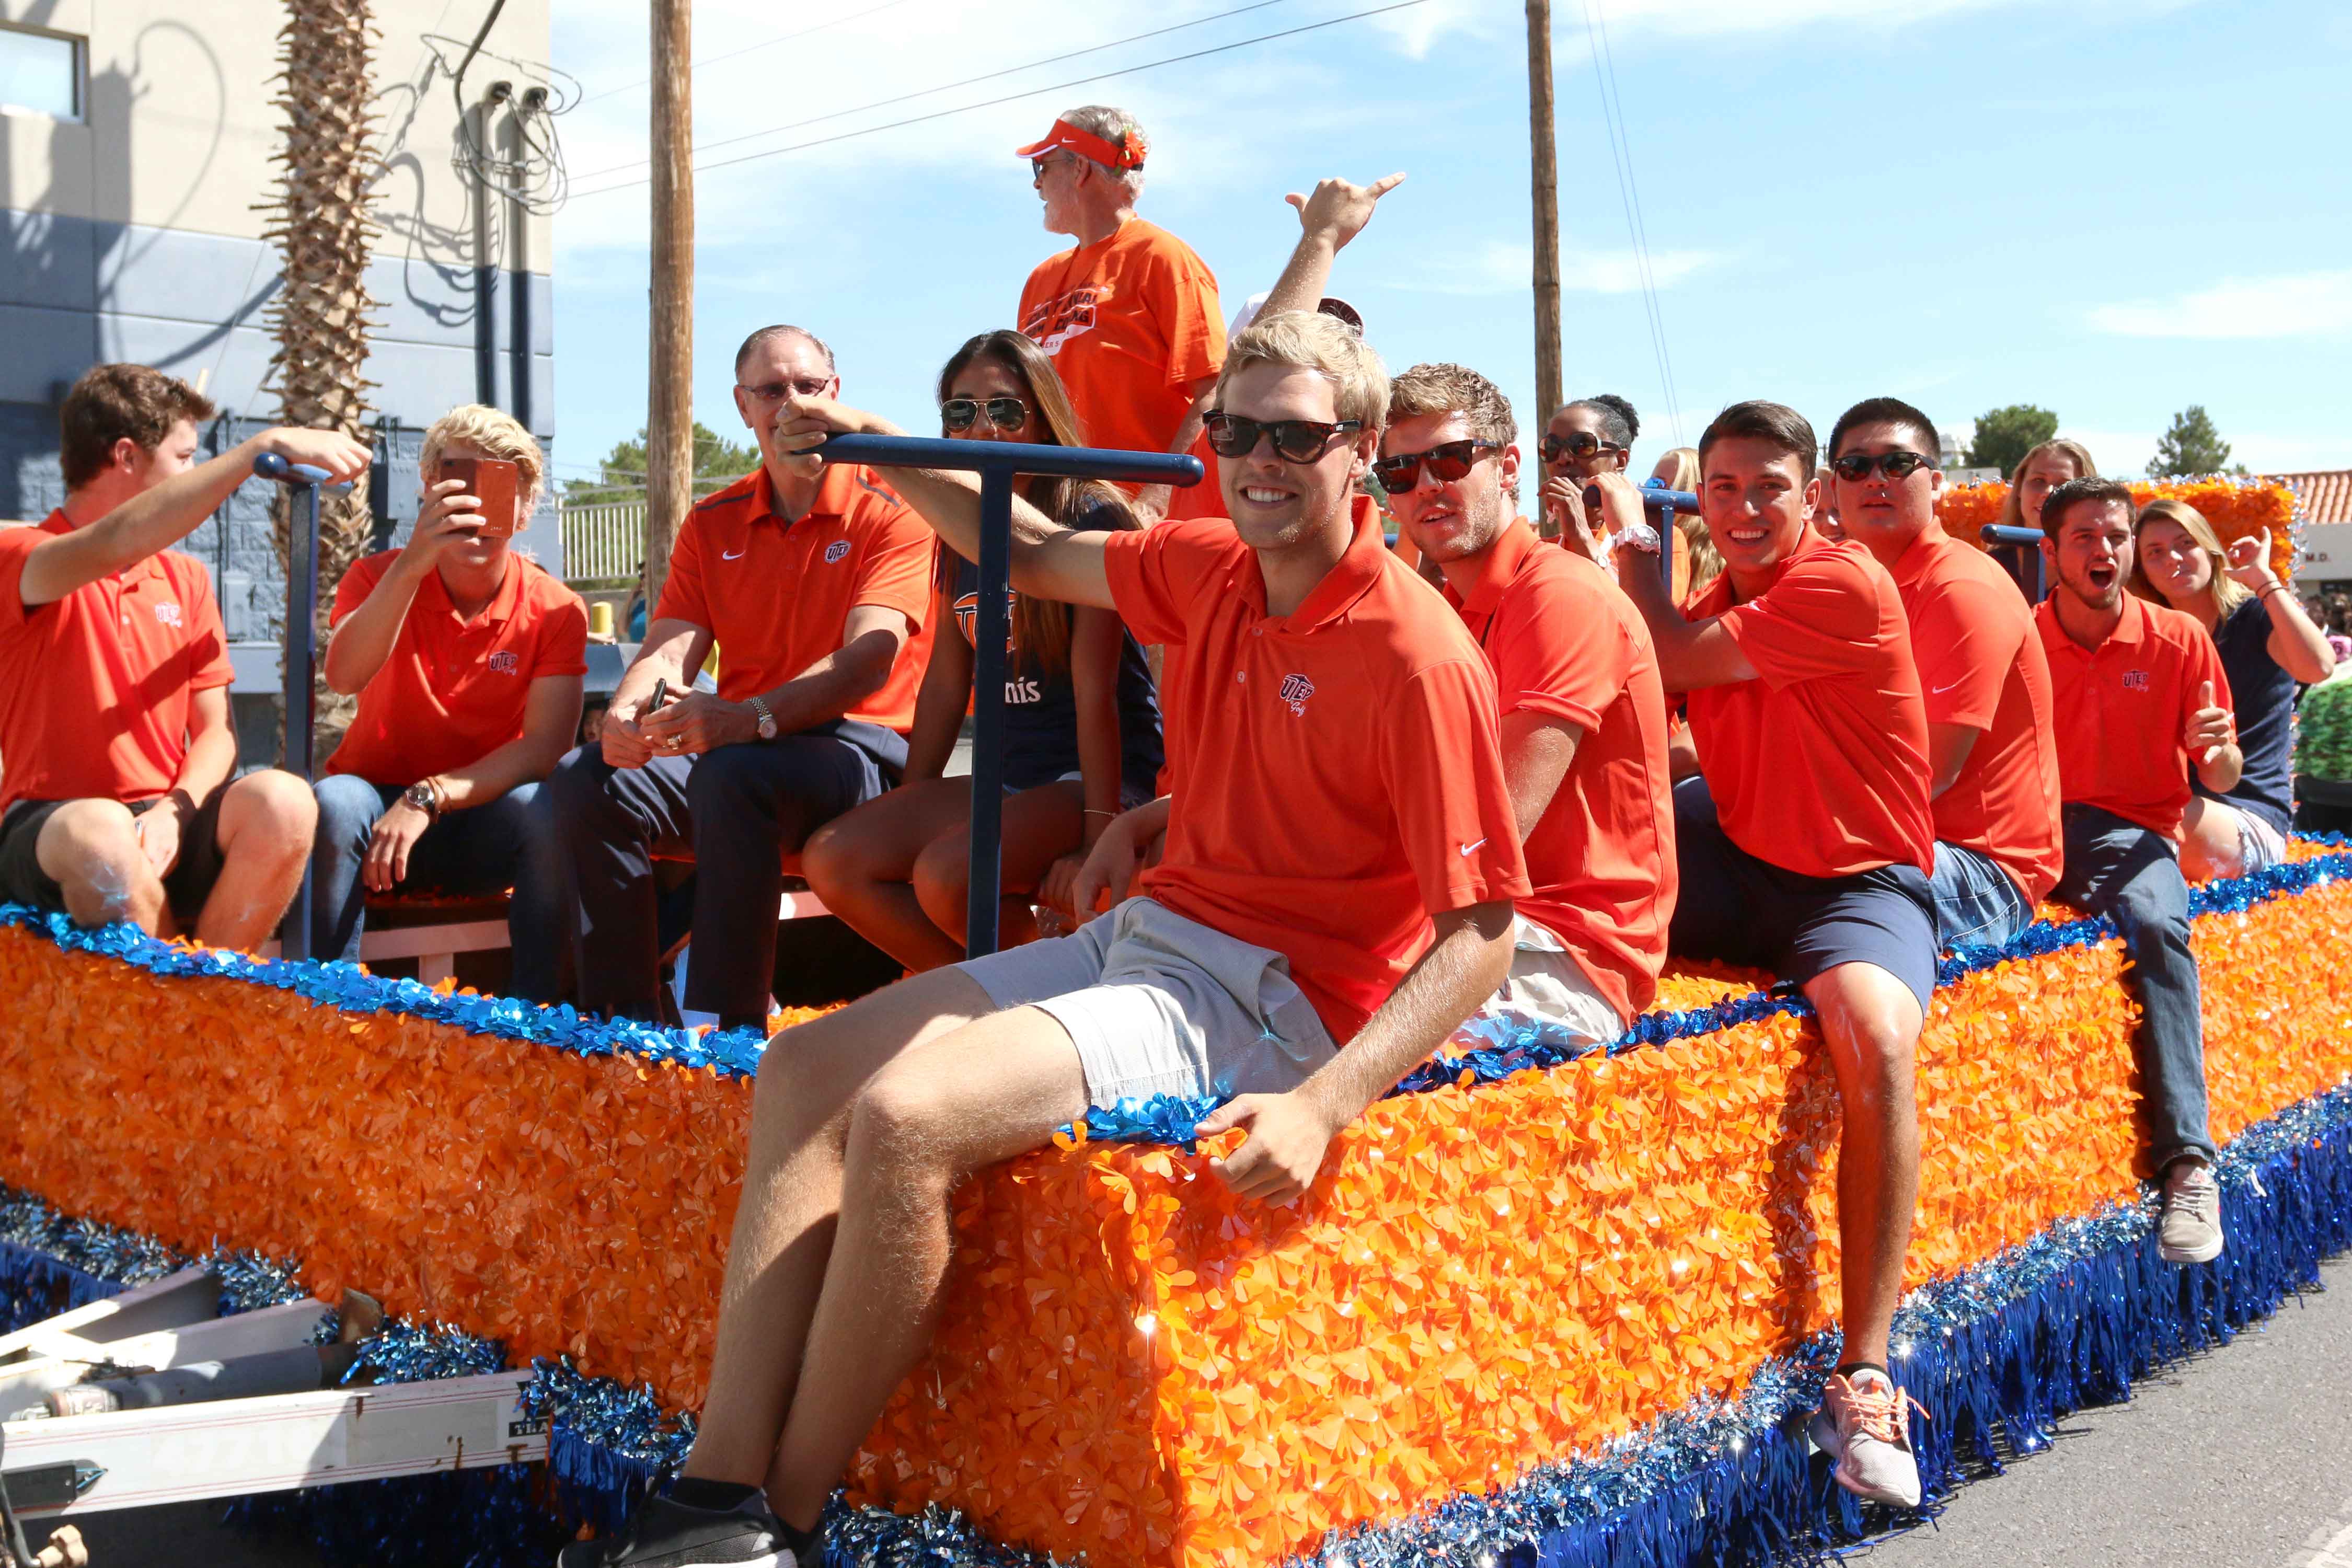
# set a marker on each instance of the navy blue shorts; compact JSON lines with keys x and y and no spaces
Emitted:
{"x":1736,"y":908}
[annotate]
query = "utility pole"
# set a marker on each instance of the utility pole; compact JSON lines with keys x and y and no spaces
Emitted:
{"x":669,"y":412}
{"x":1546,"y":168}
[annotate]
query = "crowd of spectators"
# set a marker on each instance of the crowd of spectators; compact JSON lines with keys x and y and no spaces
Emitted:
{"x":1350,"y":813}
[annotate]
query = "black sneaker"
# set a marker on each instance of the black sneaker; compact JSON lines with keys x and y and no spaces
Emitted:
{"x":671,"y":1534}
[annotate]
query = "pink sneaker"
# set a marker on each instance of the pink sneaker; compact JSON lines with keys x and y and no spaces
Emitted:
{"x":1865,"y":1424}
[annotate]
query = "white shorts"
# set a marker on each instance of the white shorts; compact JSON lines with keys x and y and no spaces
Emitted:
{"x":1548,"y":986}
{"x":1157,"y":1004}
{"x":2260,"y":846}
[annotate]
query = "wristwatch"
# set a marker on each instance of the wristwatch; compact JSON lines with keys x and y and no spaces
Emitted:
{"x":767,"y":719}
{"x":421,"y":795}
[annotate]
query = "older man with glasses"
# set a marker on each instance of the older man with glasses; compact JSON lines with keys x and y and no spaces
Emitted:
{"x":1129,"y":314}
{"x":816,"y":579}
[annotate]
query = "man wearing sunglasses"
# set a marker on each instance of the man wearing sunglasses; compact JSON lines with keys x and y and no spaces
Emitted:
{"x":1335,"y":898}
{"x":1129,"y":314}
{"x":1583,"y":718}
{"x":1992,"y":758}
{"x":1805,"y":848}
{"x":816,"y":582}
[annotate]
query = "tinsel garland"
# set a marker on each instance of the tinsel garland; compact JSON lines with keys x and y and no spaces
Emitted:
{"x":1489,"y":1050}
{"x":52,"y":1263}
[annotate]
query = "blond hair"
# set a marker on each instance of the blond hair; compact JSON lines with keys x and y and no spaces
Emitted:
{"x":2012,"y":510}
{"x":494,"y":433}
{"x":1309,"y":339}
{"x":2227,"y":590}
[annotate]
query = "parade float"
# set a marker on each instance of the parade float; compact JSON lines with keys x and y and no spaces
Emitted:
{"x":1539,"y":1309}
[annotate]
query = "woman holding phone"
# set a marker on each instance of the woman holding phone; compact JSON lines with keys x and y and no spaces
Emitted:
{"x":1081,"y":719}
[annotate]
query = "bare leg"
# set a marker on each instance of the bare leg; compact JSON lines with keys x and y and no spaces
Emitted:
{"x":862,"y":864}
{"x":1041,"y":825}
{"x":2209,"y":845}
{"x":1872,"y":1022}
{"x":91,"y":849}
{"x":996,"y":1088}
{"x":266,"y":821}
{"x":776,"y":1261}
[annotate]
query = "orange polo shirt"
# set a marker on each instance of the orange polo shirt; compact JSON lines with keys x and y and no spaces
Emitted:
{"x":452,"y":691}
{"x":1130,"y":322}
{"x":2124,"y":708}
{"x":1336,"y":778}
{"x":1820,"y":764}
{"x":1981,"y":665}
{"x":776,"y":594}
{"x":1564,"y":641}
{"x":97,"y":688}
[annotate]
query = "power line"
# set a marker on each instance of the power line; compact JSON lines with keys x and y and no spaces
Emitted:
{"x":755,"y":48}
{"x":1604,"y":74}
{"x":949,"y":86}
{"x":1017,"y":96}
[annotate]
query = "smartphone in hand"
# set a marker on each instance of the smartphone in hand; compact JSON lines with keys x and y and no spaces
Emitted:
{"x":496,"y":483}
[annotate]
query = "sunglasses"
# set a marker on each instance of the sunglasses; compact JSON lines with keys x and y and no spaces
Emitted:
{"x":777,"y":390}
{"x":1295,"y":440}
{"x":1446,"y":462}
{"x":1855,"y":467}
{"x":1007,"y":413}
{"x":1584,"y":443}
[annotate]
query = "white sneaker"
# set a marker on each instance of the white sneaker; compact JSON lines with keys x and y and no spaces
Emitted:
{"x":1865,"y":1424}
{"x":2189,"y":1228}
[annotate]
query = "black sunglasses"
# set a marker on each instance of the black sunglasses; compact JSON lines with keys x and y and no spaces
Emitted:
{"x":1855,"y":467}
{"x":1447,"y":461}
{"x":1005,"y":413}
{"x":1584,"y":443}
{"x":777,"y":390}
{"x":1295,"y":440}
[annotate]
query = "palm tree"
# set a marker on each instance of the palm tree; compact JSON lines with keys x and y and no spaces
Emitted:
{"x":324,"y":232}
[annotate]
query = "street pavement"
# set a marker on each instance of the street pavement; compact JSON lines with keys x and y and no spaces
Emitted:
{"x":2241,"y":1457}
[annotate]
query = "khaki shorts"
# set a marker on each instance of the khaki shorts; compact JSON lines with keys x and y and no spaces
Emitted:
{"x":1546,"y":984}
{"x":1157,"y":1004}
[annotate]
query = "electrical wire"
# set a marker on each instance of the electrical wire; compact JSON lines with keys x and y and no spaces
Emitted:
{"x":535,"y":178}
{"x":751,"y":49}
{"x":945,"y":86}
{"x":1017,"y":96}
{"x":1604,"y":74}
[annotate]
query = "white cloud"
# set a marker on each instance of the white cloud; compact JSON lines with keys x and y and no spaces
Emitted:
{"x":1503,"y":267}
{"x":2306,"y":304}
{"x":1709,"y":18}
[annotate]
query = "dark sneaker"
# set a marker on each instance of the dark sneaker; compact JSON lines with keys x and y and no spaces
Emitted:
{"x":669,"y":1535}
{"x":2189,"y":1228}
{"x":1866,"y":1425}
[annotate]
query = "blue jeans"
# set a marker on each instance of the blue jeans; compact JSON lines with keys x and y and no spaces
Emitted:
{"x":485,"y":849}
{"x":2121,"y":870}
{"x":1976,"y":903}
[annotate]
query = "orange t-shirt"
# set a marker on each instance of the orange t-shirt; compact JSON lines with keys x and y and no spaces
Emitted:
{"x":1337,"y":777}
{"x":1981,"y":665}
{"x":776,"y":594}
{"x":453,"y":691}
{"x":1564,"y":641}
{"x":1819,"y":765}
{"x":1131,"y":322}
{"x":97,"y":688}
{"x":2123,"y":711}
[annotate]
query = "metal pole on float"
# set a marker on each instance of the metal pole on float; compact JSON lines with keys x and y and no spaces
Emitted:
{"x":301,"y":657}
{"x":998,"y":463}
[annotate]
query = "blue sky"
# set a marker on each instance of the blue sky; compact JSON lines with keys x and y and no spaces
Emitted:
{"x":2113,"y":208}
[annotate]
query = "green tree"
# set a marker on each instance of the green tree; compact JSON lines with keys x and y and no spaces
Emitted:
{"x":717,"y":463}
{"x":2190,"y":447}
{"x":2005,"y":435}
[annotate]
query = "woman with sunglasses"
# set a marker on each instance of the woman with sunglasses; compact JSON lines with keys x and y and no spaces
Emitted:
{"x":1081,"y":719}
{"x":1586,"y":439}
{"x":2270,"y":650}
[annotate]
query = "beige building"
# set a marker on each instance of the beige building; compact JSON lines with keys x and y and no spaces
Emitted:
{"x":136,"y":147}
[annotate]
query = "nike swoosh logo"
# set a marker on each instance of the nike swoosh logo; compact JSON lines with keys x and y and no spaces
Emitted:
{"x":724,"y":557}
{"x":1466,"y":848}
{"x":1939,"y":690}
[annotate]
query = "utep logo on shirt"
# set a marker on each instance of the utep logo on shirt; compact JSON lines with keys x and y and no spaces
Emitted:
{"x":1055,"y":321}
{"x":2138,"y":680}
{"x":1296,"y":691}
{"x":506,"y":662}
{"x":834,"y":552}
{"x":967,"y":615}
{"x":167,"y":613}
